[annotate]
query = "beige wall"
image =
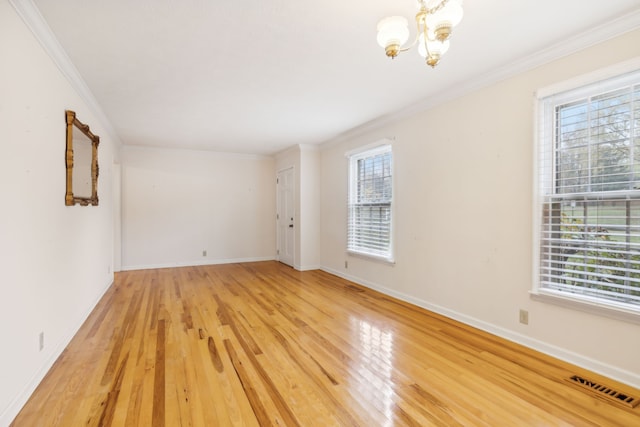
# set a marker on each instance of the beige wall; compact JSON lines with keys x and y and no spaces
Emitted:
{"x":178,"y":203}
{"x":463,"y":217}
{"x":56,"y":260}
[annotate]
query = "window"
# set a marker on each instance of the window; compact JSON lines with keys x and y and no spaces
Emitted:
{"x":370,"y":203}
{"x":589,"y":193}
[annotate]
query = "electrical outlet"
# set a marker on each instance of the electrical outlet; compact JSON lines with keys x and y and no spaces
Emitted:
{"x":524,"y":317}
{"x":346,"y":264}
{"x":204,"y":252}
{"x":41,"y":340}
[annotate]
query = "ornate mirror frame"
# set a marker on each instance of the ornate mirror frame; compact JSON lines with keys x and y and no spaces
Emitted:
{"x":82,"y":163}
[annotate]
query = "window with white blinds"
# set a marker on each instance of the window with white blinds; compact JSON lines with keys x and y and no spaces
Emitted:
{"x":370,"y":203}
{"x":589,"y":181}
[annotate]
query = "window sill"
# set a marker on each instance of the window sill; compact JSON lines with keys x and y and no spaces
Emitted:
{"x":586,"y":304}
{"x":371,"y":257}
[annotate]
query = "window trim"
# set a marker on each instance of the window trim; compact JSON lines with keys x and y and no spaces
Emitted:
{"x":586,"y":304}
{"x":372,"y":149}
{"x":583,"y":303}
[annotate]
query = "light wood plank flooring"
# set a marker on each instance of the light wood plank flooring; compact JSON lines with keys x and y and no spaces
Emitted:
{"x":262,"y":344}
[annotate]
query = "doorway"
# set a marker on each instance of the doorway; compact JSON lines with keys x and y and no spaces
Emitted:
{"x":285,"y":217}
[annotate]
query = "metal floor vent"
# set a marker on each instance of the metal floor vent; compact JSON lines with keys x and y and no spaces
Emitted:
{"x":606,"y":392}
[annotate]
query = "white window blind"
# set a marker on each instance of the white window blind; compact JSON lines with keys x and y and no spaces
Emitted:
{"x":370,"y":198}
{"x":589,"y":178}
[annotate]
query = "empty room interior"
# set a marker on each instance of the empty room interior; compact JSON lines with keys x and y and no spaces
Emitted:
{"x":320,"y":213}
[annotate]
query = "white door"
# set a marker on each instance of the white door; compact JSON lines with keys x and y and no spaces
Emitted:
{"x":285,"y":216}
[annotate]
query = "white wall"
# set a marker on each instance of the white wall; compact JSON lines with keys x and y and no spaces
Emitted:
{"x":463,"y":204}
{"x":56,"y":259}
{"x":177,"y":203}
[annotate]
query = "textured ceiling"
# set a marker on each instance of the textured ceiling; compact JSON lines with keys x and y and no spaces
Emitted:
{"x":257,"y":76}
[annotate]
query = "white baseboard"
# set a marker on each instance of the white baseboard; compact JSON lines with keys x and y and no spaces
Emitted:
{"x":630,"y":378}
{"x":195,"y":263}
{"x":307,"y":267}
{"x":19,"y":401}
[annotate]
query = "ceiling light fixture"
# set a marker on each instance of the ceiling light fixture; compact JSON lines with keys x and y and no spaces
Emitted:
{"x":435,"y":21}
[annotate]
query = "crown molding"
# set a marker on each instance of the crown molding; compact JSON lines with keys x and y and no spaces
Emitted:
{"x":158,"y":148}
{"x":308,"y":147}
{"x":292,"y":149}
{"x":601,"y":33}
{"x":34,"y":20}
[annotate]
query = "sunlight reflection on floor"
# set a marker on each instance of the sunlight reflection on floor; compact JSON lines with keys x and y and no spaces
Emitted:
{"x":375,"y":366}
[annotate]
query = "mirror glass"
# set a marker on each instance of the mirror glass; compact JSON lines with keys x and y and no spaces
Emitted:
{"x":82,"y":163}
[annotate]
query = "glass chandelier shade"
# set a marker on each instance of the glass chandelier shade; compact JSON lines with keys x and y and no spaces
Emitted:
{"x":393,"y":32}
{"x":433,"y":46}
{"x":447,"y":17}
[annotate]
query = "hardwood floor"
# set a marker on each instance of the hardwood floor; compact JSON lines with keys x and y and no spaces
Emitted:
{"x":262,"y":344}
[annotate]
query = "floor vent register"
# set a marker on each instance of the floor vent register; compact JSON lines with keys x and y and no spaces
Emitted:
{"x":605,"y":392}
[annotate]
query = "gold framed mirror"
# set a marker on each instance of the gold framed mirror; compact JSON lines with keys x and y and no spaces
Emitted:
{"x":82,"y":163}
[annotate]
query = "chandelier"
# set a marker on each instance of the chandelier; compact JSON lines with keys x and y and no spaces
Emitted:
{"x":435,"y":21}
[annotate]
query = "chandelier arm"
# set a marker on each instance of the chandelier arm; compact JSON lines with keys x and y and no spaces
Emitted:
{"x":425,"y":31}
{"x":413,"y":43}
